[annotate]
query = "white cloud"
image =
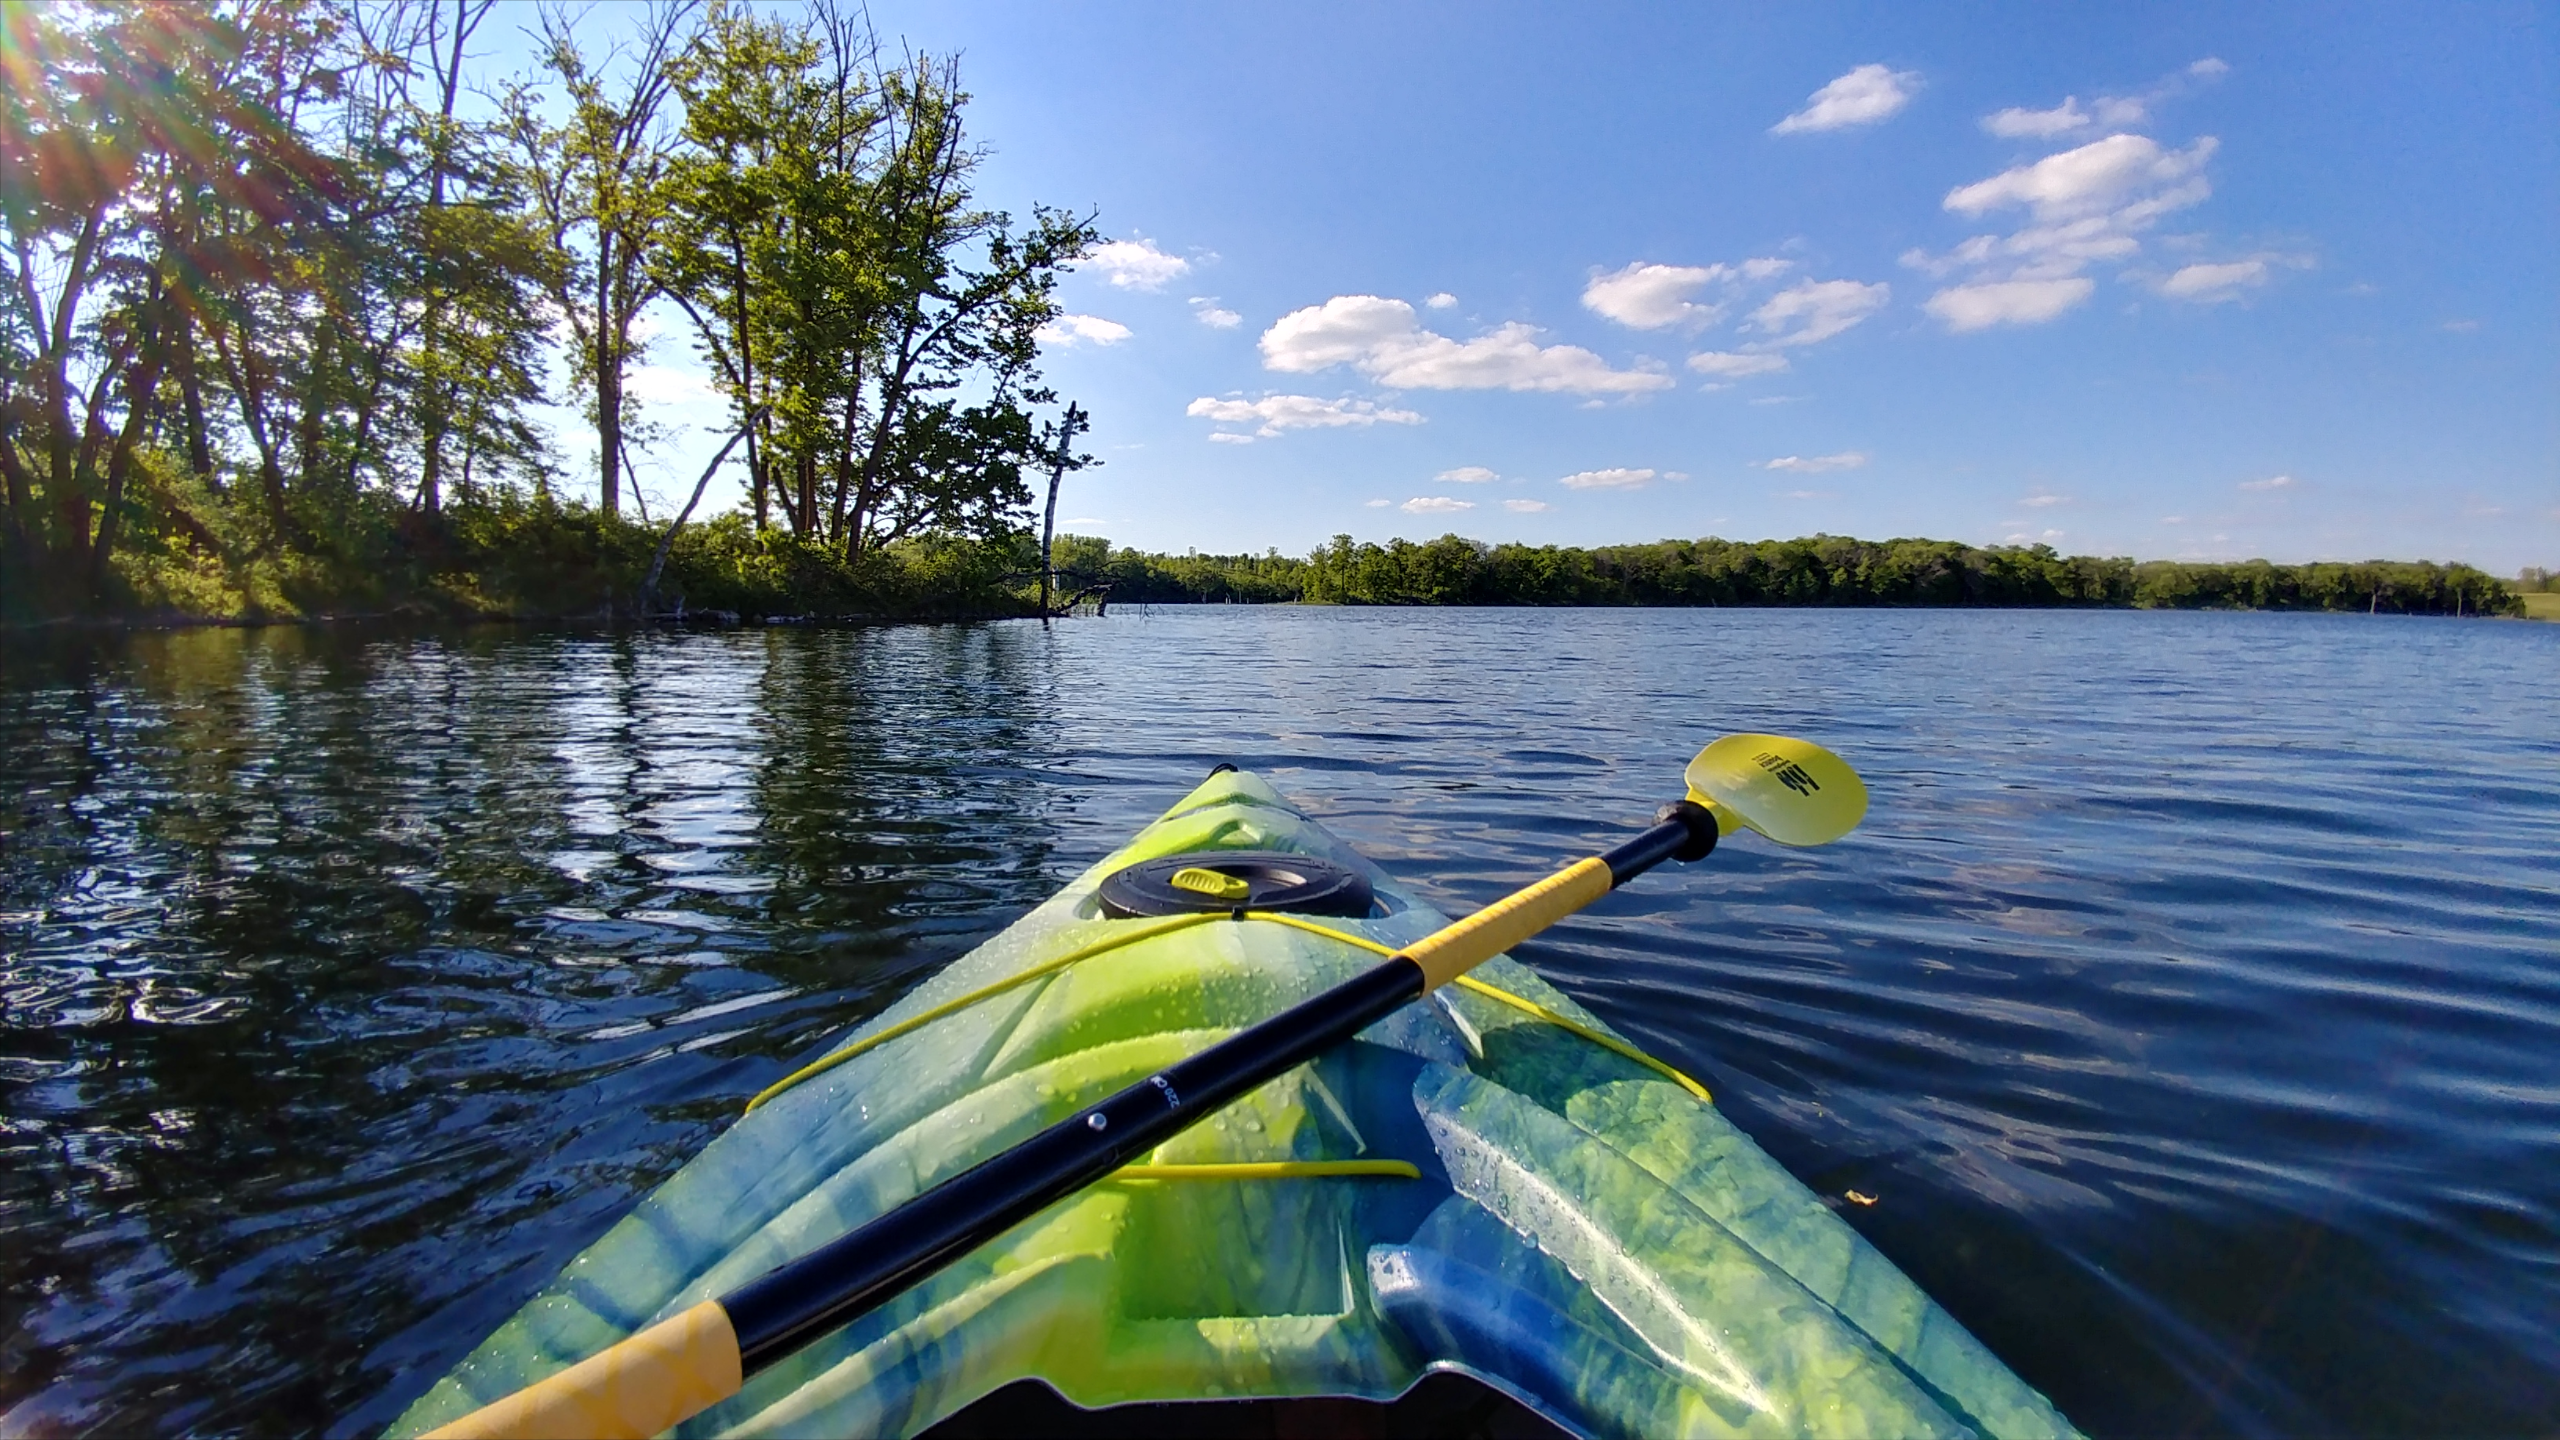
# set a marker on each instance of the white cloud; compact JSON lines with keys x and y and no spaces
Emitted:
{"x":2016,"y":123}
{"x":2114,"y":111}
{"x":1380,"y":504}
{"x":1442,"y":301}
{"x":1383,"y":340}
{"x":2272,"y":482}
{"x":1649,"y":296}
{"x":1467,"y":475}
{"x":2007,"y":302}
{"x":2122,"y":112}
{"x":1077,"y":329}
{"x":2085,"y":206}
{"x":2136,"y":109}
{"x":2211,"y":283}
{"x":1607,"y":480}
{"x":1273,"y":415}
{"x":1811,"y":494}
{"x":1816,"y":310}
{"x":1727,"y":365}
{"x":1206,"y":310}
{"x":1801,"y":465}
{"x":1511,"y":359}
{"x":2039,"y":502}
{"x":1344,"y":329}
{"x":1435,"y":505}
{"x":1527,"y":507}
{"x":1655,"y":297}
{"x":2094,"y":179}
{"x":1221,"y":437}
{"x":1861,"y":97}
{"x":1136,"y":264}
{"x":2038,"y":252}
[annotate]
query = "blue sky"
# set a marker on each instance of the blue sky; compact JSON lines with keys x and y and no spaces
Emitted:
{"x":2206,"y":282}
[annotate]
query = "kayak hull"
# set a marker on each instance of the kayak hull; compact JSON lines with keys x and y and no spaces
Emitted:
{"x":1581,"y":1231}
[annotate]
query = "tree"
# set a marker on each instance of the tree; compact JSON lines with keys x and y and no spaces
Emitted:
{"x":595,"y":178}
{"x":821,"y":235}
{"x":480,"y":269}
{"x":131,"y":139}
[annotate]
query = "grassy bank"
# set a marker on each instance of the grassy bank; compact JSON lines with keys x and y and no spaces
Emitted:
{"x":525,"y":559}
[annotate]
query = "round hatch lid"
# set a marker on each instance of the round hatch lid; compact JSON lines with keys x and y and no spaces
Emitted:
{"x":1213,"y":880}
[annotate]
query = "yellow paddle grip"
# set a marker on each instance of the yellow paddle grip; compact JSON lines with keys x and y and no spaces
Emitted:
{"x":1446,"y":954}
{"x":670,"y":1372}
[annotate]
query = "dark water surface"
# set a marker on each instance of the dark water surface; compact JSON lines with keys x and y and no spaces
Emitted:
{"x":2190,"y":1001}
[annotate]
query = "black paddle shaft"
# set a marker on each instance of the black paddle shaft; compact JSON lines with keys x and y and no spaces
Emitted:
{"x":785,"y":1308}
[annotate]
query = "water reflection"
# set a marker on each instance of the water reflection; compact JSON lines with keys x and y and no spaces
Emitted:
{"x":2185,"y":1006}
{"x":354,"y":980}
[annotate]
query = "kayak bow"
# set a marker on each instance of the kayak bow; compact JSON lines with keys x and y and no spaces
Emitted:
{"x":1489,"y":1182}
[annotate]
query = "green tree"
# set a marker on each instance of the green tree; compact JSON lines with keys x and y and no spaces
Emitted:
{"x":595,"y":179}
{"x":822,"y":235}
{"x":481,"y":267}
{"x":128,"y":135}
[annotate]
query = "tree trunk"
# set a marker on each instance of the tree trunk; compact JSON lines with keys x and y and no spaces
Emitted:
{"x":191,"y":392}
{"x":759,"y":457}
{"x":315,"y":408}
{"x":1067,"y":429}
{"x":608,"y":362}
{"x":666,"y":542}
{"x":139,"y":385}
{"x":435,"y":416}
{"x":893,"y":398}
{"x":21,"y":496}
{"x":844,"y":454}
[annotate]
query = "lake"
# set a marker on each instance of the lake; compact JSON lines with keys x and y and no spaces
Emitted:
{"x":2188,"y":1005}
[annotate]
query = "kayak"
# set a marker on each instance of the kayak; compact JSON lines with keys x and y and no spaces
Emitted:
{"x":1489,"y":1184}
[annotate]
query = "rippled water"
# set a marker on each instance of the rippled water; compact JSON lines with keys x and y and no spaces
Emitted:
{"x":2189,"y":1004}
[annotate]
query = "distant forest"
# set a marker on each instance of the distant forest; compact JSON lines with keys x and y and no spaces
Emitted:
{"x":1818,"y":570}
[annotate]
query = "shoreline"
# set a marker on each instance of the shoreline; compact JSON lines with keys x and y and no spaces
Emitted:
{"x":60,"y":626}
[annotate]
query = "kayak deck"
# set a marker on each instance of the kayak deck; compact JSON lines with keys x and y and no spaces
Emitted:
{"x":1566,"y":1222}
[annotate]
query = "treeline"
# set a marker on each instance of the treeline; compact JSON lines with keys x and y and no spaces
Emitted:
{"x":1819,"y":570}
{"x":285,"y":281}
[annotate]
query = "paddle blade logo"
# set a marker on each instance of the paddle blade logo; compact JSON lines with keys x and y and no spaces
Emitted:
{"x":1789,"y":773}
{"x":1793,"y":791}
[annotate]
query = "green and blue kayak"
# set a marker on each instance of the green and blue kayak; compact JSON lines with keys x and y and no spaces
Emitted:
{"x":1490,"y":1183}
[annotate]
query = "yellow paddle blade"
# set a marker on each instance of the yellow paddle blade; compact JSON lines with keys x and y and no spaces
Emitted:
{"x":1793,"y":791}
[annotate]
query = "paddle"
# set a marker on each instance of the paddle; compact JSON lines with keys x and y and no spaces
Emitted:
{"x":1791,"y":791}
